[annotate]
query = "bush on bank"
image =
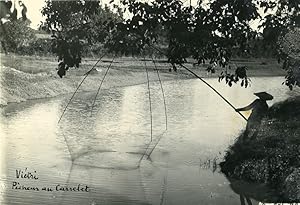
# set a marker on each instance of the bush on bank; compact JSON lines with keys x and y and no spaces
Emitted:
{"x":273,"y":157}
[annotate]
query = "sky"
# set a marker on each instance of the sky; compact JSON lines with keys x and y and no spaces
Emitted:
{"x":34,"y":8}
{"x":33,"y":11}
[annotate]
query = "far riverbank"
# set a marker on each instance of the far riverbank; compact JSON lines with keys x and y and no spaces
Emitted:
{"x":33,"y":77}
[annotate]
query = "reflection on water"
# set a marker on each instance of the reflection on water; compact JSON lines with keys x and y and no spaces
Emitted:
{"x":103,"y":148}
{"x":249,"y":192}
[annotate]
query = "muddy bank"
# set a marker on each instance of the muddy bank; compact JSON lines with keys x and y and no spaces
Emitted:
{"x":18,"y":86}
{"x":32,"y":77}
{"x":273,"y":157}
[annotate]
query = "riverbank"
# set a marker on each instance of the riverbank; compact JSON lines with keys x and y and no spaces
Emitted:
{"x":17,"y":86}
{"x":273,"y":156}
{"x":32,"y":77}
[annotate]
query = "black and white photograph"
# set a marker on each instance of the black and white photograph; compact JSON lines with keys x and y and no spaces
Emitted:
{"x":150,"y":102}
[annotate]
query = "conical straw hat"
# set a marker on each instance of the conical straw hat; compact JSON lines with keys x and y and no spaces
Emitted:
{"x":264,"y":96}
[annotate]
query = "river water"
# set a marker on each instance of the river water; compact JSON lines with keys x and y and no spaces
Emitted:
{"x":106,"y":147}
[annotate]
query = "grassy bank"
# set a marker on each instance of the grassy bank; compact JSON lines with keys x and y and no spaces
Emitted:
{"x":31,"y":77}
{"x":24,"y":78}
{"x":273,"y":156}
{"x":37,"y":64}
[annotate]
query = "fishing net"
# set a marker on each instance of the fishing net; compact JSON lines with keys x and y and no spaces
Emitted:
{"x":114,"y":128}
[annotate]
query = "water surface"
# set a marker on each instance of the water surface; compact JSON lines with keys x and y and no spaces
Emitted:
{"x":103,"y":147}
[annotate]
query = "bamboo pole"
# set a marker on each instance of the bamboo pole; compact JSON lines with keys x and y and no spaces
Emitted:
{"x":214,"y":90}
{"x":162,"y":91}
{"x":99,"y":88}
{"x":205,"y":83}
{"x":85,"y":76}
{"x":150,"y":105}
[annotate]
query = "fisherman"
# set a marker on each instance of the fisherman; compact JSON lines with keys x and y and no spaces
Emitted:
{"x":259,"y":110}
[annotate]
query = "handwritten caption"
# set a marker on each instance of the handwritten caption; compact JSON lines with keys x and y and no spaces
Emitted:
{"x":25,"y":174}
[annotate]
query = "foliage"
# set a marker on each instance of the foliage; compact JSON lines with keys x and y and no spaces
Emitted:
{"x":75,"y":25}
{"x":40,"y":47}
{"x":289,"y":44}
{"x":15,"y":33}
{"x":289,"y":52}
{"x":5,"y":7}
{"x":278,"y":31}
{"x":205,"y":34}
{"x":209,"y":33}
{"x":20,"y":35}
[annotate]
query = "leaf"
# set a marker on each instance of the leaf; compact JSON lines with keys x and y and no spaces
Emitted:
{"x":61,"y":69}
{"x":241,"y":72}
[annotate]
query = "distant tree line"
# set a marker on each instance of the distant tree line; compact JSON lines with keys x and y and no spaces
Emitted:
{"x":213,"y":32}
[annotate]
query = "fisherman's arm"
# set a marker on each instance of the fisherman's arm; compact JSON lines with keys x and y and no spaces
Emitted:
{"x":249,"y":107}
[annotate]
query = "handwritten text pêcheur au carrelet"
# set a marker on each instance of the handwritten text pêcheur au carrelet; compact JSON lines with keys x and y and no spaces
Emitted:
{"x":32,"y":175}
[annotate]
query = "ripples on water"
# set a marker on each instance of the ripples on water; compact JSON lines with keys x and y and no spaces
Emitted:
{"x":106,"y":144}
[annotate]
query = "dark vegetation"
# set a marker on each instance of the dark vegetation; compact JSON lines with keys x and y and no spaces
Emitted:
{"x":211,"y":33}
{"x":273,"y":155}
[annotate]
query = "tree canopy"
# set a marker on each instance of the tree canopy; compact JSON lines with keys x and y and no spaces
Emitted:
{"x":209,"y":32}
{"x":73,"y":25}
{"x":15,"y":33}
